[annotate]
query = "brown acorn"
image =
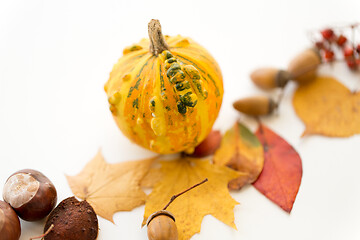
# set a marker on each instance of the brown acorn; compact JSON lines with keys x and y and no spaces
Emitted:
{"x":303,"y":67}
{"x":30,"y":193}
{"x":72,"y":220}
{"x":161,"y":226}
{"x":270,"y":78}
{"x":9,"y":223}
{"x":255,"y":106}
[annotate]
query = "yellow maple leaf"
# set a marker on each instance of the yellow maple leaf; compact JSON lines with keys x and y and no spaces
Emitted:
{"x":110,"y":188}
{"x":152,"y":177}
{"x":328,"y":108}
{"x":189,"y":209}
{"x":241,"y":150}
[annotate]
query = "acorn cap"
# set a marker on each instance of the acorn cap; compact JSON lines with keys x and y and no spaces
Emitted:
{"x":161,"y":212}
{"x":269,"y":78}
{"x":282,"y":78}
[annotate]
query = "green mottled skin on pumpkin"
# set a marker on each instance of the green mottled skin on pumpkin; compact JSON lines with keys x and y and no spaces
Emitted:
{"x":167,"y":102}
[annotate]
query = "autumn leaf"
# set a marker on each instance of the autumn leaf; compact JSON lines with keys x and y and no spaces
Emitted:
{"x":281,"y":177}
{"x":189,"y":209}
{"x":208,"y":147}
{"x":110,"y":188}
{"x":328,"y":108}
{"x":152,"y":177}
{"x":242,"y":151}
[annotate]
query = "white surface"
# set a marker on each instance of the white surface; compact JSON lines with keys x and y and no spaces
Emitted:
{"x":55,"y":57}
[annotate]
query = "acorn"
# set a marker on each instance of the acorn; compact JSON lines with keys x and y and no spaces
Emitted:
{"x":161,"y":226}
{"x":72,"y":220}
{"x":270,"y":78}
{"x":30,"y":193}
{"x":255,"y":106}
{"x":9,"y":223}
{"x":303,"y":67}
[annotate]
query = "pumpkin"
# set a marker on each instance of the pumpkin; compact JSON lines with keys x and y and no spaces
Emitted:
{"x":165,"y":92}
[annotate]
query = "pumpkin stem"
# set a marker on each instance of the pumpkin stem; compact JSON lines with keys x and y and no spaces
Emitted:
{"x":157,"y":41}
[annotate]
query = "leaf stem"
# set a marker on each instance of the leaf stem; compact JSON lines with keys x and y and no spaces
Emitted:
{"x":46,"y":233}
{"x":177,"y":195}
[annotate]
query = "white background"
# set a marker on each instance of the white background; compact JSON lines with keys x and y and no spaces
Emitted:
{"x":55,"y":57}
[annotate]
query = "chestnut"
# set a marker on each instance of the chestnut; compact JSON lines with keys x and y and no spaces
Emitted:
{"x":30,"y":193}
{"x":9,"y":223}
{"x":72,"y":220}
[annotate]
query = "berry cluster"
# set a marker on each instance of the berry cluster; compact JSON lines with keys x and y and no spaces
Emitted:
{"x":335,"y":41}
{"x":330,"y":45}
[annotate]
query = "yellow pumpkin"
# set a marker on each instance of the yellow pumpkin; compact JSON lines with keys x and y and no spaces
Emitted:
{"x":165,"y":93}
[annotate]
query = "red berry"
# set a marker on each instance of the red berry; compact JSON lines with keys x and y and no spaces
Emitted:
{"x":358,"y":48}
{"x":341,"y":40}
{"x":319,"y":44}
{"x":348,"y":52}
{"x":327,"y":33}
{"x":329,"y":55}
{"x":351,"y":63}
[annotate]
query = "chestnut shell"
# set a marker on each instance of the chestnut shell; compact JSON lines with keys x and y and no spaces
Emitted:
{"x":72,"y":220}
{"x":44,"y":200}
{"x":9,"y":223}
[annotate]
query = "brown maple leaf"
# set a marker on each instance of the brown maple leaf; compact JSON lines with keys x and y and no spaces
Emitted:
{"x":328,"y":108}
{"x":110,"y":188}
{"x":189,"y":209}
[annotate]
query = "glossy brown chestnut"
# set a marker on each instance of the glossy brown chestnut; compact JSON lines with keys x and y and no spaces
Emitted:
{"x":30,"y":193}
{"x":9,"y":223}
